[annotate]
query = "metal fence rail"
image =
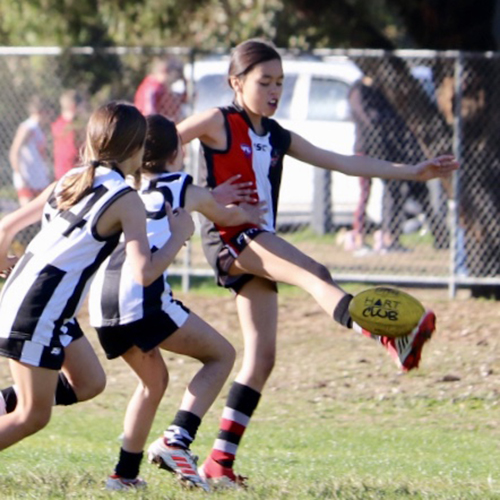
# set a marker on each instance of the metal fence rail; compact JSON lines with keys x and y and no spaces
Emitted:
{"x":402,"y":106}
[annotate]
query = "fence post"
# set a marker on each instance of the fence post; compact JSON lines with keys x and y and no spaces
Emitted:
{"x":456,"y":241}
{"x":321,"y":222}
{"x":192,"y":166}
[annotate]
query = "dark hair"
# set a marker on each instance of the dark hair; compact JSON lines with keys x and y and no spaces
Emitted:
{"x":115,"y":132}
{"x":162,"y":143}
{"x":248,"y":54}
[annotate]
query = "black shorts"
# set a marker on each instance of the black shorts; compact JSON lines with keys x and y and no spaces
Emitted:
{"x":145,"y":333}
{"x":222,"y":256}
{"x":23,"y":349}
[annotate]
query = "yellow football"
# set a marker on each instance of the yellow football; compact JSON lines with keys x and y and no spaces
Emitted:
{"x":385,"y":310}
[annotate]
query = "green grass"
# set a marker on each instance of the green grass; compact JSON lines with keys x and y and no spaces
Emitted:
{"x":336,"y":420}
{"x":362,"y":450}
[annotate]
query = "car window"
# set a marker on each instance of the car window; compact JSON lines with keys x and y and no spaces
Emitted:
{"x":213,"y":91}
{"x":283,"y":112}
{"x":328,"y":100}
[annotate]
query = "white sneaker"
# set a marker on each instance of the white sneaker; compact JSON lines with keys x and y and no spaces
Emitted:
{"x":179,"y":461}
{"x":3,"y":406}
{"x":115,"y":482}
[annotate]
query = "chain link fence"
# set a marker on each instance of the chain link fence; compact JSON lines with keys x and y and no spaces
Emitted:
{"x":402,"y":106}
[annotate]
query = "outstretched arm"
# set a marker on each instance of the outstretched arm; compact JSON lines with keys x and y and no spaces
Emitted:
{"x":366,"y":166}
{"x":16,"y":221}
{"x":232,"y":191}
{"x":201,"y":200}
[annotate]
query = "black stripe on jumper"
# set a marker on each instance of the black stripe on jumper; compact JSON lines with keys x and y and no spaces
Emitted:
{"x":36,"y":299}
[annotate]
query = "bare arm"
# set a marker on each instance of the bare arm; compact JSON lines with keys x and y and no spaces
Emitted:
{"x":207,"y":126}
{"x":14,"y":222}
{"x":129,"y":214}
{"x":22,"y":134}
{"x":365,"y":166}
{"x":232,"y":191}
{"x":201,"y":200}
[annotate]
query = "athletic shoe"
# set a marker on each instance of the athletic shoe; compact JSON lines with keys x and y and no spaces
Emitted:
{"x":177,"y":460}
{"x":115,"y":482}
{"x":220,"y":477}
{"x":406,"y":351}
{"x":3,"y":406}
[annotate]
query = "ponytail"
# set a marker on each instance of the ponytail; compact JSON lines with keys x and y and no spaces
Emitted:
{"x":76,"y":186}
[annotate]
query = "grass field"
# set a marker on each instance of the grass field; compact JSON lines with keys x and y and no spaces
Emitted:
{"x":337,"y":420}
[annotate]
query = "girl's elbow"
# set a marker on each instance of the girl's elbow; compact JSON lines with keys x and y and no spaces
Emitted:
{"x":143,"y":277}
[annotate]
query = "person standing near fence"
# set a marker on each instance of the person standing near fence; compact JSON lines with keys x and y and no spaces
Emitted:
{"x":243,"y":139}
{"x":28,"y":153}
{"x":157,"y":94}
{"x":66,"y":134}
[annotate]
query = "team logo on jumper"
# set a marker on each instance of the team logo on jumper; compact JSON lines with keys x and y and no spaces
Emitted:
{"x":247,"y":150}
{"x":275,"y":158}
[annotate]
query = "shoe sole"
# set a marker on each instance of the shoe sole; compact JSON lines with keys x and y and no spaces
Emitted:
{"x":183,"y":480}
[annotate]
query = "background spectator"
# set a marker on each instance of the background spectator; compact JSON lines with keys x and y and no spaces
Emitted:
{"x":28,"y":153}
{"x":382,"y":133}
{"x":67,"y":134}
{"x":157,"y":93}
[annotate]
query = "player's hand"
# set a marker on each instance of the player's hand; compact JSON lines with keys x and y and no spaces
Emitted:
{"x":256,"y":212}
{"x":7,"y":264}
{"x":441,"y":166}
{"x":181,"y":223}
{"x":232,"y":191}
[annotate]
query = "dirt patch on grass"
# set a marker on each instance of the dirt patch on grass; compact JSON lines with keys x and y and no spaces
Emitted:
{"x":317,"y":359}
{"x":316,"y":355}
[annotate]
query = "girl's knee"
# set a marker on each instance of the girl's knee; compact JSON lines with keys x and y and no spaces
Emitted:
{"x":155,"y":384}
{"x":32,"y":420}
{"x":92,"y":387}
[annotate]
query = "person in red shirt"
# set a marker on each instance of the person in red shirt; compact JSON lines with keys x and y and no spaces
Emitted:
{"x":155,"y":94}
{"x":65,"y":135}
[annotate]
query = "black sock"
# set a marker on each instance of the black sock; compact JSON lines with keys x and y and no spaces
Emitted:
{"x":341,"y":312}
{"x":128,"y":464}
{"x":65,"y":394}
{"x":10,"y":398}
{"x":182,"y":431}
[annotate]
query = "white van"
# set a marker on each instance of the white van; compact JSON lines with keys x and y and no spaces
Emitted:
{"x":315,"y":105}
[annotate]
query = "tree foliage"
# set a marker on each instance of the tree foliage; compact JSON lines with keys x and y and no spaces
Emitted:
{"x":205,"y":24}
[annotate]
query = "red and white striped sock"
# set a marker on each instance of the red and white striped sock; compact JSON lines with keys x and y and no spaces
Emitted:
{"x":241,"y":403}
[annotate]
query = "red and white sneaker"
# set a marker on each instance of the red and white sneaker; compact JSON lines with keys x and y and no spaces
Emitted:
{"x":406,"y":351}
{"x":115,"y":482}
{"x":177,"y":460}
{"x":220,"y":477}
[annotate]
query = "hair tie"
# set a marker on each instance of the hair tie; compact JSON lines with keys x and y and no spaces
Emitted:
{"x":95,"y":163}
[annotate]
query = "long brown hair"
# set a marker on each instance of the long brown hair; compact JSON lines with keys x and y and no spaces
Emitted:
{"x":162,"y":144}
{"x":115,"y":132}
{"x":248,"y":54}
